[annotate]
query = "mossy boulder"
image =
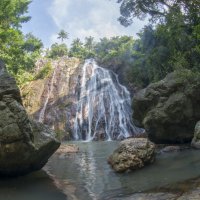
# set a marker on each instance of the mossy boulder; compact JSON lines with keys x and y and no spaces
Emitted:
{"x":25,"y":145}
{"x":169,"y":109}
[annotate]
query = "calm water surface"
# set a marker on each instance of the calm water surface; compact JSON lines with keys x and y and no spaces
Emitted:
{"x":36,"y":186}
{"x":86,"y":175}
{"x":92,"y":178}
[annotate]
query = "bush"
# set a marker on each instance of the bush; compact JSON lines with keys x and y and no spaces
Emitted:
{"x":57,"y":50}
{"x":44,"y":72}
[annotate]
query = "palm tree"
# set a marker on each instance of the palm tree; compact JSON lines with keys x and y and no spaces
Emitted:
{"x":77,"y":42}
{"x":63,"y":35}
{"x":89,"y":43}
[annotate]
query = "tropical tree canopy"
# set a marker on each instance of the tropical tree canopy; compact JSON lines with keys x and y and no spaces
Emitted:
{"x":155,"y":9}
{"x":63,"y":35}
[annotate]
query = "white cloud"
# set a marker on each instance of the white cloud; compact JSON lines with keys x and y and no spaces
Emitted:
{"x":82,"y":18}
{"x":58,"y":10}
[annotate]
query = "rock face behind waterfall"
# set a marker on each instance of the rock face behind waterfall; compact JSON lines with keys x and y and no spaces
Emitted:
{"x":49,"y":99}
{"x":169,"y":109}
{"x":81,"y":101}
{"x":25,"y":145}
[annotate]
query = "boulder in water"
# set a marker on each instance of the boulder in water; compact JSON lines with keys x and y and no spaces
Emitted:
{"x":132,"y":154}
{"x":196,"y":139}
{"x":25,"y":145}
{"x":169,"y":109}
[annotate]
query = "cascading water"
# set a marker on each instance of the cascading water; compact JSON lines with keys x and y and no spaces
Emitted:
{"x":50,"y":89}
{"x":103,"y":108}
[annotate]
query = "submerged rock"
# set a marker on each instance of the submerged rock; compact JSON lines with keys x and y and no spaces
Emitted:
{"x":150,"y":196}
{"x":132,"y":154}
{"x":168,"y":149}
{"x":169,"y":109}
{"x":191,"y":195}
{"x":67,"y":148}
{"x":196,"y":139}
{"x":25,"y":145}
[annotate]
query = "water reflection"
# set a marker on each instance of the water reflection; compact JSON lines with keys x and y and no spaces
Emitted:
{"x":92,"y":177}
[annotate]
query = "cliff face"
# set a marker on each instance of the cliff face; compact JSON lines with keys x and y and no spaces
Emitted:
{"x":80,"y":101}
{"x":48,"y":100}
{"x":25,"y":145}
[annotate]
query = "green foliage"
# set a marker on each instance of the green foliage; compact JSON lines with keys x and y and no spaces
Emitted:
{"x":17,"y":51}
{"x":172,"y":44}
{"x":57,"y":50}
{"x":63,"y":35}
{"x":77,"y":49}
{"x":186,"y":75}
{"x":12,"y":13}
{"x":46,"y":71}
{"x":157,"y":10}
{"x":24,"y":77}
{"x":31,"y":43}
{"x":116,"y":50}
{"x":89,"y":43}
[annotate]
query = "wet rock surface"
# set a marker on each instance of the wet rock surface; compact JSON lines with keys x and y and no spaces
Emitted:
{"x":49,"y":99}
{"x":132,"y":154}
{"x":169,"y":149}
{"x":25,"y":145}
{"x":169,"y":109}
{"x":67,"y":148}
{"x":186,"y":190}
{"x":196,"y":139}
{"x":80,"y":101}
{"x":150,"y":196}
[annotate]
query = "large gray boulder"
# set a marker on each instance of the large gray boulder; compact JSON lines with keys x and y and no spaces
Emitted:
{"x":25,"y":145}
{"x":169,"y":109}
{"x":132,"y":154}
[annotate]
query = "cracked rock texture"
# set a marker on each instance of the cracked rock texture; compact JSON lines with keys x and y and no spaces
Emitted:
{"x":132,"y":154}
{"x":25,"y":145}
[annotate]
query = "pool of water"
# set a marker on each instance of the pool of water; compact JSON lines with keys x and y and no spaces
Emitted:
{"x":90,"y":177}
{"x":87,"y":176}
{"x":36,"y":186}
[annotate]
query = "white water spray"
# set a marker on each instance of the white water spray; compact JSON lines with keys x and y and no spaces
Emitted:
{"x":49,"y":92}
{"x":103,"y":106}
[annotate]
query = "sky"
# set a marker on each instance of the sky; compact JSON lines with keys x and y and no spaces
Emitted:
{"x":80,"y":18}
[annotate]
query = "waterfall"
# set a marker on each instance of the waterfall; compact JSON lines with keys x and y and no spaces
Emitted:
{"x":103,"y":107}
{"x":49,"y":92}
